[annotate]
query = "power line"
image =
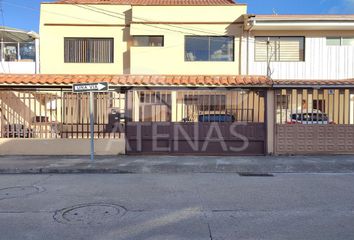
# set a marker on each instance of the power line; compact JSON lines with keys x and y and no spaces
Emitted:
{"x":111,"y":13}
{"x":102,"y":11}
{"x":123,"y":17}
{"x":54,"y":13}
{"x":88,"y":20}
{"x":2,"y":38}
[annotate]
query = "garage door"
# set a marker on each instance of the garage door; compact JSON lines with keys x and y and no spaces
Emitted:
{"x":314,"y":121}
{"x":196,"y":122}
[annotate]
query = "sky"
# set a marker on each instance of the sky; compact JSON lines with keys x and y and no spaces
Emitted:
{"x":24,"y":14}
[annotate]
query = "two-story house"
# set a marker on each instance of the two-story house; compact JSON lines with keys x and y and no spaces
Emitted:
{"x":310,"y":59}
{"x":186,"y":77}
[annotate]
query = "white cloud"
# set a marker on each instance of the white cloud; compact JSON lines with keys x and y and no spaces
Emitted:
{"x":349,"y":3}
{"x":341,"y":7}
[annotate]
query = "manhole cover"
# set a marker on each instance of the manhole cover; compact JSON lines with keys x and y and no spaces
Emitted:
{"x":91,"y":214}
{"x":19,"y":191}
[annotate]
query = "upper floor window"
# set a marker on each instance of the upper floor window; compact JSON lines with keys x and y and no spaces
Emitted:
{"x":340,"y":41}
{"x":88,"y":50}
{"x":280,"y":49}
{"x":148,"y":41}
{"x":208,"y":48}
{"x":18,"y":52}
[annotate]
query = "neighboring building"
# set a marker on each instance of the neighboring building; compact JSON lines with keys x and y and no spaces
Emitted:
{"x":311,"y":60}
{"x":20,"y":51}
{"x":186,"y":77}
{"x":303,"y":47}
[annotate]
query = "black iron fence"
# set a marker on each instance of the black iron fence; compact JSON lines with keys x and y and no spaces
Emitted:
{"x":57,"y":113}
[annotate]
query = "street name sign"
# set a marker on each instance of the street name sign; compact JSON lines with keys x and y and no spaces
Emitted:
{"x":90,"y":87}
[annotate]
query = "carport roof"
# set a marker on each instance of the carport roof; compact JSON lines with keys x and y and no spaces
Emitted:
{"x":137,"y":80}
{"x":153,"y":2}
{"x":313,"y":83}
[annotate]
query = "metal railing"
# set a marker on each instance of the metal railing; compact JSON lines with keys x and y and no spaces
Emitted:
{"x":52,"y":114}
{"x":314,"y":106}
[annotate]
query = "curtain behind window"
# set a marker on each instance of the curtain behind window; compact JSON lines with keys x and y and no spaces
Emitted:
{"x":84,"y":50}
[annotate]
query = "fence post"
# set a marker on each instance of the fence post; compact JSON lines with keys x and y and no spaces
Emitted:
{"x":92,"y":127}
{"x":270,"y":120}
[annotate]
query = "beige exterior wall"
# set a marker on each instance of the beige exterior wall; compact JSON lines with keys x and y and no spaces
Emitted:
{"x":196,"y":20}
{"x":112,"y":21}
{"x":69,"y":20}
{"x":60,"y":146}
{"x":170,"y":59}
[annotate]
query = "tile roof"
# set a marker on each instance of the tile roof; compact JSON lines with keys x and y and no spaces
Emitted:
{"x":342,"y":82}
{"x":153,"y":2}
{"x":305,"y":17}
{"x":136,"y":80}
{"x":163,"y":80}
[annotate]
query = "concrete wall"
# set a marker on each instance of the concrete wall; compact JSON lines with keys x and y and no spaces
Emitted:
{"x":60,"y":146}
{"x":18,"y":67}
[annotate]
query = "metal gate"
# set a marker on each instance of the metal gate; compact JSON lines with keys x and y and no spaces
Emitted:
{"x":314,"y":121}
{"x":196,"y":122}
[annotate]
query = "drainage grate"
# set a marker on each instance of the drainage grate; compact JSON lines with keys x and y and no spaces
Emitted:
{"x":89,"y":214}
{"x":256,"y":175}
{"x":19,"y":191}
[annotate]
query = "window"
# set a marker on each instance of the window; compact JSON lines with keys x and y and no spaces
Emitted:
{"x":28,"y":52}
{"x":148,"y":41}
{"x":11,"y":52}
{"x":348,"y":41}
{"x":283,"y":101}
{"x":340,"y":41}
{"x":319,"y":105}
{"x":88,"y":50}
{"x":155,"y":106}
{"x":206,"y":102}
{"x":199,"y":48}
{"x":334,"y":41}
{"x":280,"y":49}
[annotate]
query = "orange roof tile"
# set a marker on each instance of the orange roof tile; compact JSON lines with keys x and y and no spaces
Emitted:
{"x":152,"y":2}
{"x":342,"y":82}
{"x":305,"y":17}
{"x":136,"y":80}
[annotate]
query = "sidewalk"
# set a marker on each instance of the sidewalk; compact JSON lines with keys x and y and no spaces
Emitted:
{"x":176,"y":164}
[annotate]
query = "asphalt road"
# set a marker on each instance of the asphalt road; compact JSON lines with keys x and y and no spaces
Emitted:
{"x":177,"y":207}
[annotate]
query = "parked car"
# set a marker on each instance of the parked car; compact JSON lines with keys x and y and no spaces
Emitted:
{"x":314,"y":117}
{"x":216,"y":118}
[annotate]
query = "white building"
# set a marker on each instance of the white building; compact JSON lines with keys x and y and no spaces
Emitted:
{"x":19,"y":51}
{"x":300,"y":47}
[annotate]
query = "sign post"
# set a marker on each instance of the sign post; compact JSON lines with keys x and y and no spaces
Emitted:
{"x":91,"y":88}
{"x":92,"y":127}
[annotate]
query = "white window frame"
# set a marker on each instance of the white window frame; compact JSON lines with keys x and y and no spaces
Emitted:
{"x":341,"y":38}
{"x":279,"y":37}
